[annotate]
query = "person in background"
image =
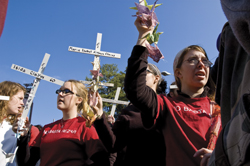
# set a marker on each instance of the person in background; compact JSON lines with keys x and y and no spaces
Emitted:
{"x":134,"y":144}
{"x":9,"y":112}
{"x":66,"y":141}
{"x":185,"y":120}
{"x":173,"y":90}
{"x":39,"y":127}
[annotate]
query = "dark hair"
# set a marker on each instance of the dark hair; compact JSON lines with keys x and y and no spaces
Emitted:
{"x":161,"y":89}
{"x":39,"y":127}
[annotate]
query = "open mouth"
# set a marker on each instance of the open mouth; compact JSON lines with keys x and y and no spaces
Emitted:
{"x":60,"y":101}
{"x":200,"y":74}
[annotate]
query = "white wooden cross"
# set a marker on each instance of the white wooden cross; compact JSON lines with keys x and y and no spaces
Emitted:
{"x":96,"y":65}
{"x":4,"y":97}
{"x":39,"y":75}
{"x":116,"y":101}
{"x":97,"y":53}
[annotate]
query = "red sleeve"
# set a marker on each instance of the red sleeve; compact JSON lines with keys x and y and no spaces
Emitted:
{"x":37,"y":140}
{"x":33,"y":133}
{"x":3,"y":11}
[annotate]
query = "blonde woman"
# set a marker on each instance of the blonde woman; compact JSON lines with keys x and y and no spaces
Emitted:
{"x":66,"y":141}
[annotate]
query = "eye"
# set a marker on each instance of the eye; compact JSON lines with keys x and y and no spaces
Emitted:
{"x":204,"y":61}
{"x":66,"y":91}
{"x":58,"y":91}
{"x":192,"y":60}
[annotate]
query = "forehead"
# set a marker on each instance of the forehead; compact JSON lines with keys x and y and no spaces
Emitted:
{"x":19,"y":93}
{"x":194,"y":53}
{"x":68,"y":85}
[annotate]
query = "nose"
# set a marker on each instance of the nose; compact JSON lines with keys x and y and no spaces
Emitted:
{"x":61,"y":93}
{"x":200,"y":63}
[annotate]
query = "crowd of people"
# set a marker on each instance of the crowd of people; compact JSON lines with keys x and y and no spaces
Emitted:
{"x":204,"y":119}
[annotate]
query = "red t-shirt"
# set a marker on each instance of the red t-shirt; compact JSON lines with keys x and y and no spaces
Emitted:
{"x":33,"y":133}
{"x":186,"y":127}
{"x":67,"y":142}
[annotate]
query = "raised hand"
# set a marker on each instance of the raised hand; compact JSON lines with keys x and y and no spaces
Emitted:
{"x":24,"y":130}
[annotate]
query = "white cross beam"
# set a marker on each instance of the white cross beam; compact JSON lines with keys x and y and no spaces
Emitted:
{"x":4,"y":97}
{"x":101,"y":83}
{"x":115,"y":99}
{"x":97,"y":53}
{"x":39,"y":75}
{"x":96,"y":66}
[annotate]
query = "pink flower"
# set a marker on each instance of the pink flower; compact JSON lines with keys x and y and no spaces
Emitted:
{"x":154,"y":52}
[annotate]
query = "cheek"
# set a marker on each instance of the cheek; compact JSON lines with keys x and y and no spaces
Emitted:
{"x":207,"y":70}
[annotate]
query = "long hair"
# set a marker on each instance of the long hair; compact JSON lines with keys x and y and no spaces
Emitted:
{"x":81,"y":92}
{"x":8,"y":88}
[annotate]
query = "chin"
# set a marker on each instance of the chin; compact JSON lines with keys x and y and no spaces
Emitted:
{"x":200,"y":84}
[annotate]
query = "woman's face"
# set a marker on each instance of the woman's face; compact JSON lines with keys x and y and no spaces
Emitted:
{"x":191,"y":73}
{"x":67,"y":101}
{"x":151,"y":79}
{"x":15,"y":104}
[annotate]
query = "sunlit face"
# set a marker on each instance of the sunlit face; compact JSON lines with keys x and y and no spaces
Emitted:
{"x":193,"y":75}
{"x":68,"y":101}
{"x":150,"y":79}
{"x":15,"y":104}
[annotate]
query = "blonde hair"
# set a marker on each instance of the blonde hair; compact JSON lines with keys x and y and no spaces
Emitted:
{"x":82,"y":92}
{"x":8,"y":88}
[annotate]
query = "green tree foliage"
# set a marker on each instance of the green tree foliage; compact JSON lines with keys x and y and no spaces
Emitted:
{"x":111,"y":75}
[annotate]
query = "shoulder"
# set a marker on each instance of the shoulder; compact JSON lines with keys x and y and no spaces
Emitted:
{"x":80,"y":119}
{"x":34,"y":129}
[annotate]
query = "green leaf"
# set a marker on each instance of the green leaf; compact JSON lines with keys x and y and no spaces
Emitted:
{"x":135,"y":8}
{"x":146,"y":4}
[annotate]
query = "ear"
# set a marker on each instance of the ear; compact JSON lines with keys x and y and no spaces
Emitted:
{"x":157,"y":79}
{"x":79,"y":100}
{"x":178,"y":73}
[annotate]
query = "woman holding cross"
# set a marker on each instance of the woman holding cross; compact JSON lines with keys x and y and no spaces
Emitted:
{"x":66,"y":141}
{"x":9,"y":111}
{"x":186,"y":120}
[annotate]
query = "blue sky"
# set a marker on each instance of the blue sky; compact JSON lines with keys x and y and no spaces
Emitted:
{"x":33,"y":28}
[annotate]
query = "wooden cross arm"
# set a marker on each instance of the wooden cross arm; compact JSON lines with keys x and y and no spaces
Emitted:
{"x":101,"y":83}
{"x":115,"y":101}
{"x":4,"y":97}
